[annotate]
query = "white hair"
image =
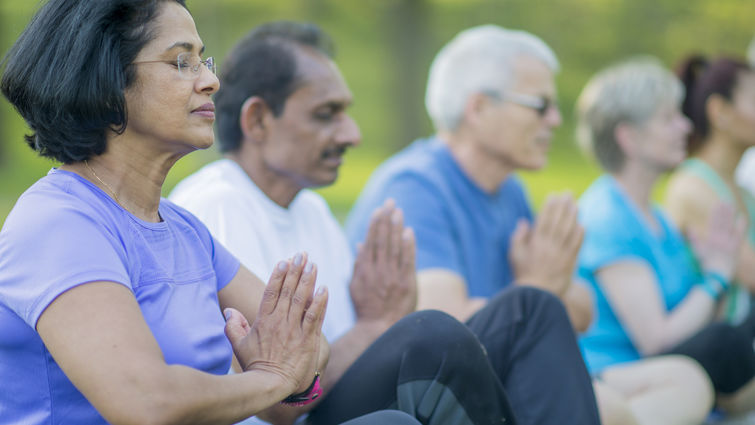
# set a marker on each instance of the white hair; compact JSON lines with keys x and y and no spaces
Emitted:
{"x":477,"y":60}
{"x":630,"y":92}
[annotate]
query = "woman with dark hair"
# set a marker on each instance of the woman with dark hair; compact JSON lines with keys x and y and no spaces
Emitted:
{"x":720,"y":103}
{"x":112,"y":300}
{"x":117,"y":306}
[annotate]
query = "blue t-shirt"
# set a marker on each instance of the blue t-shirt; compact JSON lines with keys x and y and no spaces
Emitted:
{"x":458,"y":226}
{"x":615,"y":231}
{"x":63,"y":232}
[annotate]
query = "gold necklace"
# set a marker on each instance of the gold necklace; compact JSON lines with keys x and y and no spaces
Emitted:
{"x":103,"y":183}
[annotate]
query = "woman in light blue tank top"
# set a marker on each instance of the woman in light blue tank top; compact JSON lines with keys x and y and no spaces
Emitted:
{"x":651,"y":297}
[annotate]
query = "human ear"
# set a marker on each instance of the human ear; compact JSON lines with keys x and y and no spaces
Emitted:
{"x":717,"y":111}
{"x":254,"y":112}
{"x":625,"y":135}
{"x":475,"y":107}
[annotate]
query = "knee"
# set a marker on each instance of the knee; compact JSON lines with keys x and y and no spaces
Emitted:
{"x":534,"y":302}
{"x":434,"y":327}
{"x":612,"y":406}
{"x":433,"y":332}
{"x":689,"y":377}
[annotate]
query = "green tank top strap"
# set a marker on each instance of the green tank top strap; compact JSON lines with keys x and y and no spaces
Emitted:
{"x":738,"y":299}
{"x":750,"y":206}
{"x":702,"y":170}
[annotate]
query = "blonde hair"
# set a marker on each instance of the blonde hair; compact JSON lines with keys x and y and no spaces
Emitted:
{"x":628,"y":92}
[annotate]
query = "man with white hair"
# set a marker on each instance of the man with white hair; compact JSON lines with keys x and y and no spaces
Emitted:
{"x":492,"y":98}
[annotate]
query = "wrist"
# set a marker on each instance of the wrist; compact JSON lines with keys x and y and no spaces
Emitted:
{"x":312,"y":393}
{"x":373,"y":326}
{"x":556,"y":285}
{"x":714,"y":284}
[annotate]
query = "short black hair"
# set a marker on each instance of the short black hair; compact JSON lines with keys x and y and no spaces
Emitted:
{"x":67,"y":72}
{"x":263,"y":64}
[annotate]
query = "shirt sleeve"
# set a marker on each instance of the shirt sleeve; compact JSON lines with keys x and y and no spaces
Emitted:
{"x":606,"y":243}
{"x":47,"y":251}
{"x":225,"y":264}
{"x":425,"y":212}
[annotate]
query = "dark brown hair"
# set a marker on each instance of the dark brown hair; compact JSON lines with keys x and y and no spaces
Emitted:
{"x":703,"y":78}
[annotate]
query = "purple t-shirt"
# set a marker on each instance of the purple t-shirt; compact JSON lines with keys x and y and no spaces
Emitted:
{"x":63,"y":232}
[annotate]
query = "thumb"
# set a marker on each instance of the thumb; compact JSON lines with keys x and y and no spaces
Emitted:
{"x":236,"y":326}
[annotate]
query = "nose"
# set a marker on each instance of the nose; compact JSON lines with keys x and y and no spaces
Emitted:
{"x":685,"y":124}
{"x":553,"y":116}
{"x":348,"y":132}
{"x":207,"y":82}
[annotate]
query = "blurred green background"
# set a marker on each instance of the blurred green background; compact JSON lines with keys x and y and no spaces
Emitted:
{"x":384,"y":49}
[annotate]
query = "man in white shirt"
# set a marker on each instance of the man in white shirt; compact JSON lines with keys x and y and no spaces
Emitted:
{"x":283,"y":127}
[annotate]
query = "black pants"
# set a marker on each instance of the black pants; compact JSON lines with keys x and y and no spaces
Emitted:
{"x":428,"y":365}
{"x":725,"y":352}
{"x":533,"y":349}
{"x":384,"y":417}
{"x":433,"y":368}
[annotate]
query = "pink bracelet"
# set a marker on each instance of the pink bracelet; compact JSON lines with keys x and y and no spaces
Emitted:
{"x":307,"y":396}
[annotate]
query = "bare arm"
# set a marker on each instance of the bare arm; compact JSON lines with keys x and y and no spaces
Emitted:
{"x":691,"y":203}
{"x":578,"y":301}
{"x":443,"y":289}
{"x":118,"y":365}
{"x":632,"y":290}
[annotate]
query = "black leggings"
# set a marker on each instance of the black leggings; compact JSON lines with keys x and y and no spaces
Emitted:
{"x":726,"y":352}
{"x":384,"y":417}
{"x":428,"y":365}
{"x":434,"y":368}
{"x":533,"y":349}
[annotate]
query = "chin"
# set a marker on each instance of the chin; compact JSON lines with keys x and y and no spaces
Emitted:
{"x":534,"y":165}
{"x":325,"y":180}
{"x":204,"y":142}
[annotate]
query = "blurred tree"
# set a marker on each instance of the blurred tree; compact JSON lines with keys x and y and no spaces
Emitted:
{"x":4,"y":133}
{"x":407,"y":37}
{"x":384,"y":49}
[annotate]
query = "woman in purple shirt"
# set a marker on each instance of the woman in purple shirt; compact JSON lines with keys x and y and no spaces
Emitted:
{"x":116,"y":305}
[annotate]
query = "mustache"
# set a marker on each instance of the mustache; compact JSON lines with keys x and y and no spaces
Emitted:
{"x":334,"y":151}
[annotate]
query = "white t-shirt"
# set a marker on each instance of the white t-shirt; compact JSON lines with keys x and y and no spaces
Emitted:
{"x":746,"y":171}
{"x":260,"y":232}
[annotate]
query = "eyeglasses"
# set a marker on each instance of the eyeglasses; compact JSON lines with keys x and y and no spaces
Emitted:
{"x":188,"y":64}
{"x":540,"y":104}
